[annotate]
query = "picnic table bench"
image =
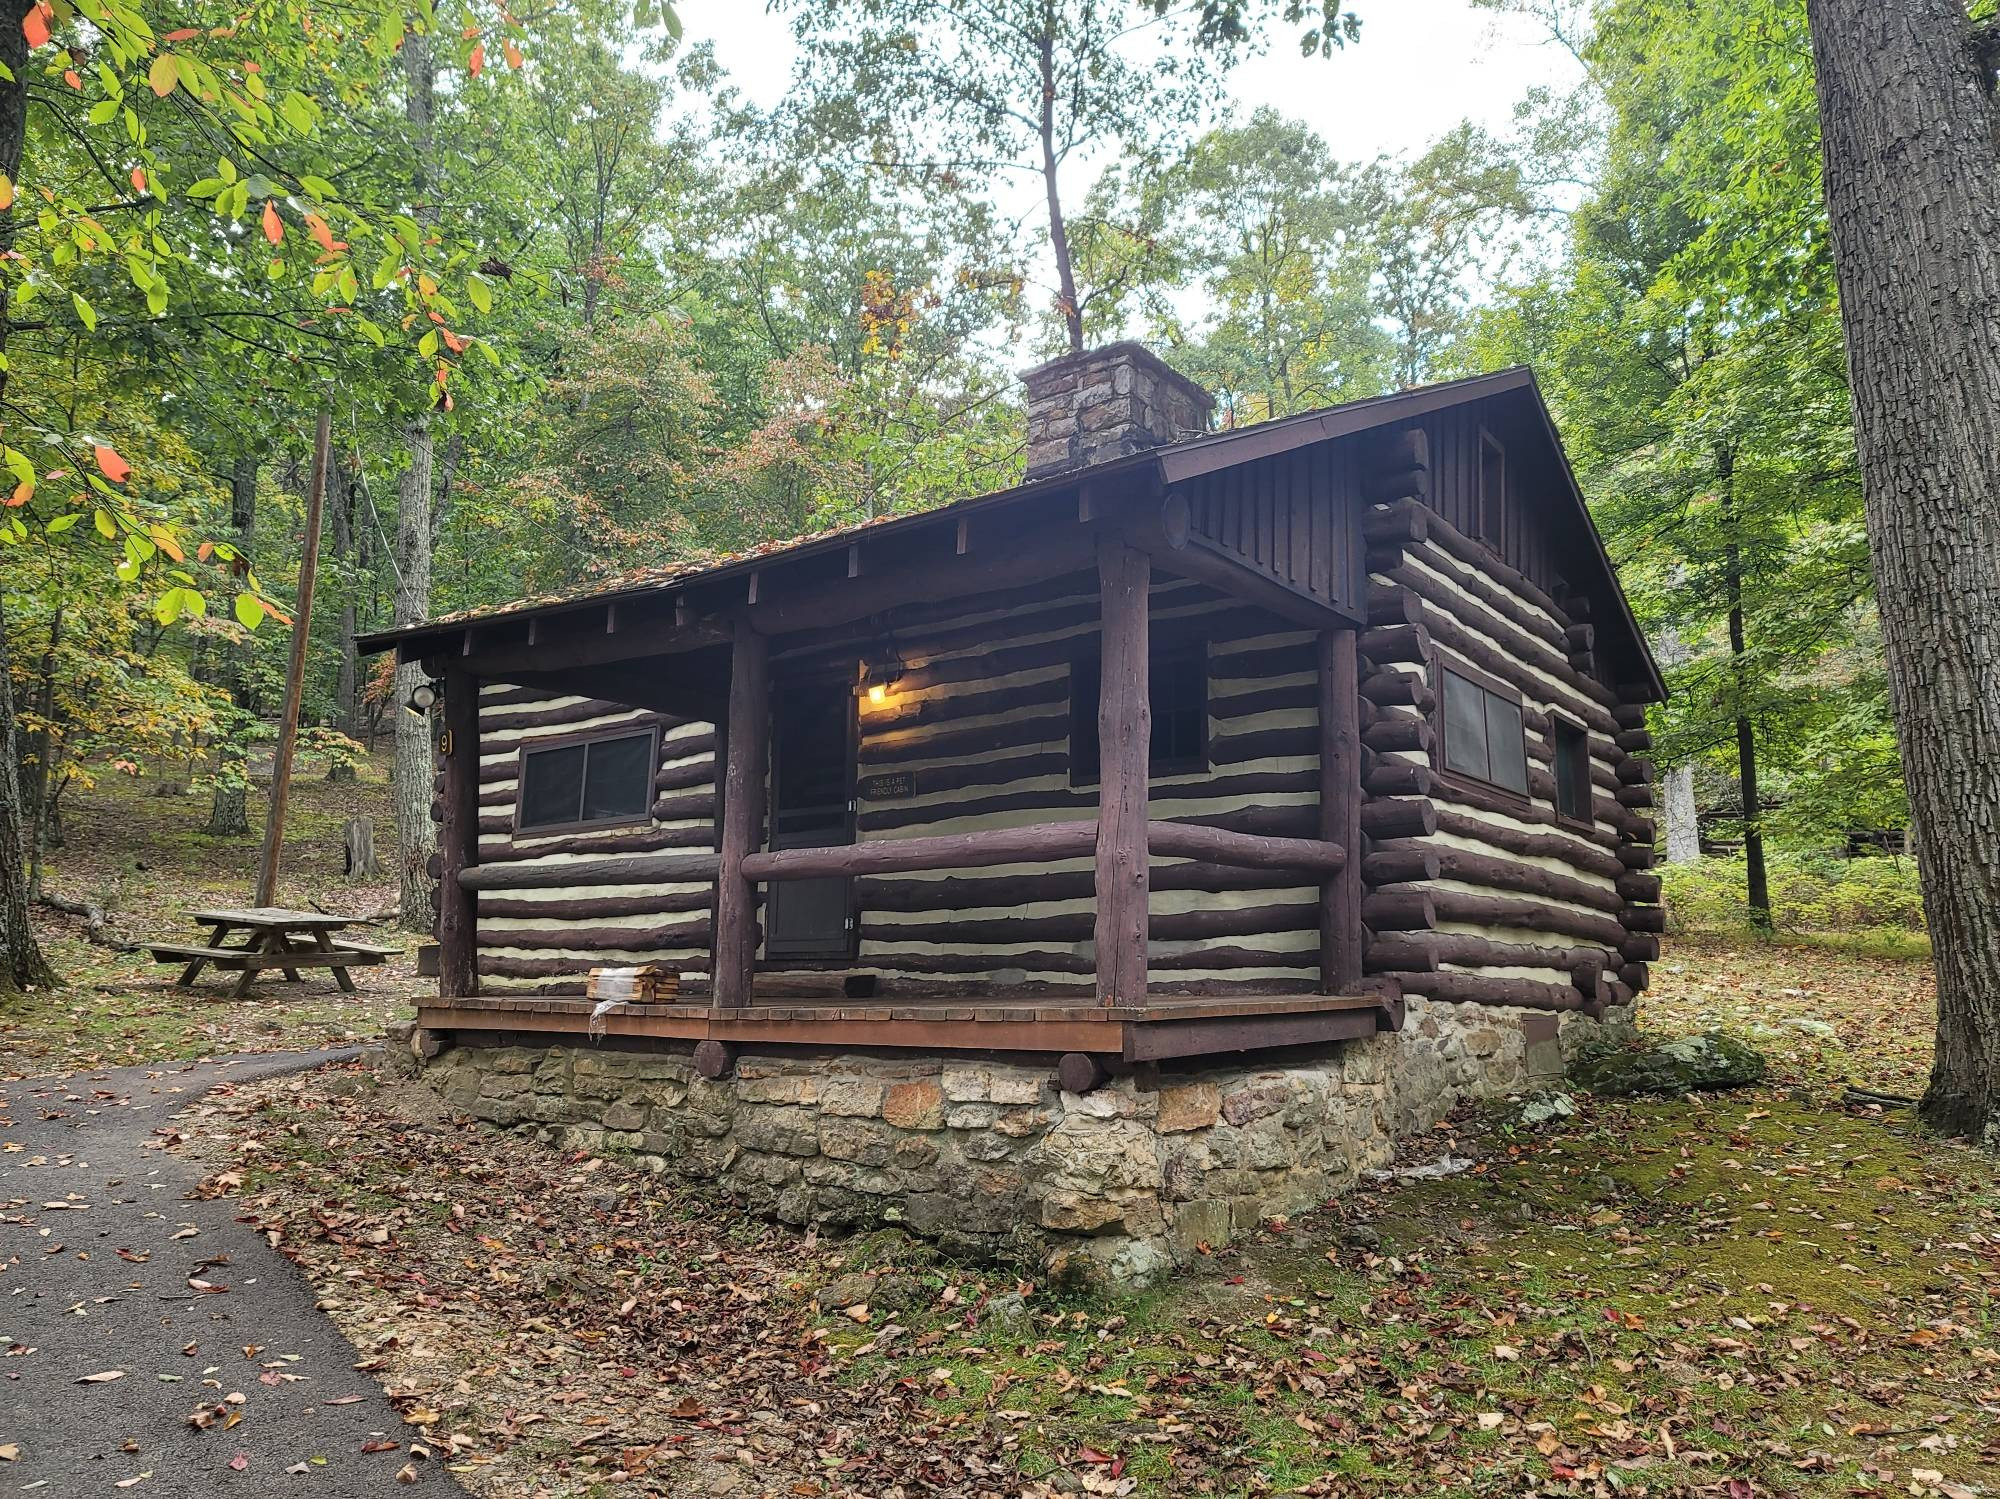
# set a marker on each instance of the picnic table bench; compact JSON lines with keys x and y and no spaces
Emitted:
{"x":273,"y":938}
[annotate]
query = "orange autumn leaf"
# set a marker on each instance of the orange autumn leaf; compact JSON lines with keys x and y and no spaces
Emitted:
{"x":22,"y":492}
{"x":116,"y":469}
{"x":453,"y":342}
{"x":138,"y":180}
{"x":186,"y":33}
{"x":513,"y":54}
{"x":205,"y":550}
{"x":35,"y":25}
{"x":477,"y":62}
{"x":72,"y":79}
{"x":320,"y":232}
{"x":278,"y":614}
{"x":6,"y":191}
{"x":274,"y":227}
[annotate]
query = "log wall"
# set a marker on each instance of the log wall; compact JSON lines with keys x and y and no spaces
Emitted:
{"x":981,"y":723}
{"x":1484,"y":895}
{"x":547,"y":937}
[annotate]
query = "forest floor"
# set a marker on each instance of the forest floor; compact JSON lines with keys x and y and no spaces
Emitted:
{"x":135,"y":846}
{"x":1757,"y":1293}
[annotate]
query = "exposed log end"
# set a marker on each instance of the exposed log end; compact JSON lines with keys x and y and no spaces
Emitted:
{"x":1400,"y":866}
{"x":1399,"y":911}
{"x":1640,"y":947}
{"x":714,"y":1060}
{"x":1401,"y":817}
{"x":1390,"y":604}
{"x":1643,"y":918}
{"x":1080,"y":1072}
{"x":1398,"y":778}
{"x":1398,"y":689}
{"x":1389,"y":644}
{"x":1404,"y":520}
{"x":1638,"y":856}
{"x":1398,"y":731}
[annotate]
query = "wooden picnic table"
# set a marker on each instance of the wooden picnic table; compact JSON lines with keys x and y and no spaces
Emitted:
{"x":273,"y":938}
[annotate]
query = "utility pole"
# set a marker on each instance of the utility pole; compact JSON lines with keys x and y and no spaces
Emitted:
{"x":295,"y":675}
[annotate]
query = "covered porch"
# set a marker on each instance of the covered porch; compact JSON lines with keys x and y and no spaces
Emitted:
{"x":704,"y":645}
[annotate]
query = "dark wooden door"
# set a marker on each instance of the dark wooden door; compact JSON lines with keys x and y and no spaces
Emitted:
{"x":812,"y":806}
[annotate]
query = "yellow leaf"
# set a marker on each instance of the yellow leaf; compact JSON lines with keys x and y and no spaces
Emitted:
{"x":163,"y":75}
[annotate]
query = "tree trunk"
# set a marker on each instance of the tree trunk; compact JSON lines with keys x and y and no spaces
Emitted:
{"x":347,"y":683}
{"x":1757,"y":892}
{"x":411,"y":772}
{"x":1072,"y":308}
{"x":1913,"y":195}
{"x":229,"y":809}
{"x":1681,"y":816}
{"x":25,"y":966}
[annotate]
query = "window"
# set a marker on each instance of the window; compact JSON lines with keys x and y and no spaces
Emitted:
{"x":1483,"y":736}
{"x":587,"y":782}
{"x":1179,"y":683}
{"x":1572,"y":771}
{"x":1492,"y":489}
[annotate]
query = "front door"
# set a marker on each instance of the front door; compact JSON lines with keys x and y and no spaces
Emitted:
{"x":812,"y":806}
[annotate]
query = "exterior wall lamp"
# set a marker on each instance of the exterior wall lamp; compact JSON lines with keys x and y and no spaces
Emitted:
{"x":425,"y":696}
{"x":880,"y":672}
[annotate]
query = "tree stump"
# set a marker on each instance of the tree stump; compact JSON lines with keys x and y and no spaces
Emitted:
{"x":358,"y":836}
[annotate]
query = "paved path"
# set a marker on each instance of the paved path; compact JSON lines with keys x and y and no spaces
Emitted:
{"x":77,"y":1185}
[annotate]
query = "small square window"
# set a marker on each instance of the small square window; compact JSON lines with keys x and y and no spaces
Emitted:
{"x":587,"y":783}
{"x":1178,"y":683}
{"x":1483,"y":733}
{"x":1572,"y":767}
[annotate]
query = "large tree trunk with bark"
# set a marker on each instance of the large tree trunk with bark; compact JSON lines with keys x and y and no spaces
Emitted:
{"x":411,"y":771}
{"x":341,"y":521}
{"x":1907,"y":116}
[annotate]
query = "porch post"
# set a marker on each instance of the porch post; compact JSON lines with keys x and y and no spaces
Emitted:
{"x":733,"y":948}
{"x":458,"y":839}
{"x":1341,"y":936}
{"x":1124,"y":738}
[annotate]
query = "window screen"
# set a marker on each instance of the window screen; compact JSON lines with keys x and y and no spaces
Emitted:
{"x":1178,"y":682}
{"x":1482,"y":734}
{"x":1572,"y":771}
{"x":603,"y":780}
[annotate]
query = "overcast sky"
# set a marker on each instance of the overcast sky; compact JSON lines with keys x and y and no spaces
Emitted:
{"x":1422,"y":66}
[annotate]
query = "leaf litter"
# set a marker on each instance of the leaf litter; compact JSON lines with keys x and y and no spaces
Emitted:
{"x":1749,"y":1295}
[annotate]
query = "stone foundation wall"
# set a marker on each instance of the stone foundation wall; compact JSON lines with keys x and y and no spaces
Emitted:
{"x":1119,"y":1185}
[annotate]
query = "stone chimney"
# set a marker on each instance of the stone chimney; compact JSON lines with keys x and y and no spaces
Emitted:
{"x":1107,"y":403}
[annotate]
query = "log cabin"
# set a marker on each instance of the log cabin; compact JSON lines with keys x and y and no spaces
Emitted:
{"x":1191,"y":743}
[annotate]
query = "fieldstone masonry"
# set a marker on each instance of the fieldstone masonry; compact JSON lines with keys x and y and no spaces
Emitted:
{"x":1115,"y":1186}
{"x":1107,"y":403}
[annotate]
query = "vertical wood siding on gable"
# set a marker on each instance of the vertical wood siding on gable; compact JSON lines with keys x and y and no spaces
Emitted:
{"x":1291,"y":515}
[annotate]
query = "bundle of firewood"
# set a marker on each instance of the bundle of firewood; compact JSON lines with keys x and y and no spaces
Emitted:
{"x":644,"y":985}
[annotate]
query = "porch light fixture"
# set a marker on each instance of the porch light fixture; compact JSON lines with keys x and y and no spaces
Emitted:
{"x":425,"y":696}
{"x":879,"y":672}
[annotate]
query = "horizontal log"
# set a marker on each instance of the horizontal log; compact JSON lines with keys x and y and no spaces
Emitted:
{"x":1043,"y":840}
{"x":1388,"y":645}
{"x":1640,"y":947}
{"x":1388,"y":954}
{"x":1638,"y":856}
{"x":1396,"y":523}
{"x":1466,"y":988}
{"x":1398,"y":689}
{"x":1526,"y":915}
{"x":1635,"y":771}
{"x":959,"y":893}
{"x":1251,"y":851}
{"x":1381,"y":486}
{"x":1077,"y":927}
{"x":881,"y":818}
{"x":584,"y":906}
{"x":1571,"y":850}
{"x":535,"y":968}
{"x":662,"y":937}
{"x":1579,"y":637}
{"x":1640,"y":889}
{"x":1402,"y":817}
{"x":1462,"y":793}
{"x":1635,"y":976}
{"x":1639,"y":798}
{"x":1638,"y":829}
{"x":1644,"y":918}
{"x":1398,"y":778}
{"x":1391,"y":604}
{"x":1629,"y":715}
{"x":633,"y":869}
{"x":1525,"y":879}
{"x":1401,"y":865}
{"x":1399,"y":910}
{"x":1635,"y":741}
{"x":1584,"y":664}
{"x":1398,"y":731}
{"x":1512,"y":659}
{"x":1447,"y":538}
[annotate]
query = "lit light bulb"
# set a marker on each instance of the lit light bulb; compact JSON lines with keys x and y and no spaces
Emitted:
{"x":877,"y":692}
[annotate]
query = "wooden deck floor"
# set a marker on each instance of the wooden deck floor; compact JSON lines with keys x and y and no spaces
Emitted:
{"x":1169,"y":1026}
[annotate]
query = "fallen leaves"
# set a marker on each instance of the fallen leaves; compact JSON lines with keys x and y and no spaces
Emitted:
{"x":103,"y":1377}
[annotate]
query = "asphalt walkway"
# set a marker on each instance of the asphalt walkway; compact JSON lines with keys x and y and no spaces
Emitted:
{"x":110,"y":1265}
